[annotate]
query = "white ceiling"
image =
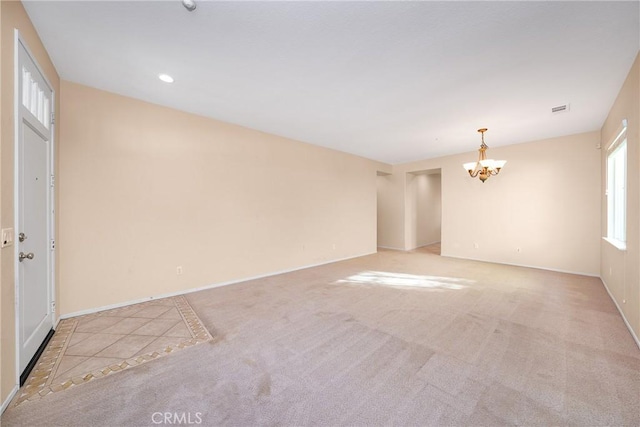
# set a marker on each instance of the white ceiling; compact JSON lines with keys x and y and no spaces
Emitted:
{"x":391,"y":81}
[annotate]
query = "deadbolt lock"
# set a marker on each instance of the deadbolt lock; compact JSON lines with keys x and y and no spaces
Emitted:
{"x":22,"y":237}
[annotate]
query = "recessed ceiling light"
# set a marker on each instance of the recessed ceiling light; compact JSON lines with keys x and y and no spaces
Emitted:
{"x":165,"y":78}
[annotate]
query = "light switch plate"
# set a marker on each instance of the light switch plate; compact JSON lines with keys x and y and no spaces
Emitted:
{"x":7,"y":237}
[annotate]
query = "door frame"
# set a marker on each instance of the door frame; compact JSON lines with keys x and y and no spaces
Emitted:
{"x":51,"y":255}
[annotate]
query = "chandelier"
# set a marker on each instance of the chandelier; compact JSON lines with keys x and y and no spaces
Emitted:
{"x":484,"y":167}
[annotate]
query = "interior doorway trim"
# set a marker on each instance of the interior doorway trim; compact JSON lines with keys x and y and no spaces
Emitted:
{"x":19,"y":43}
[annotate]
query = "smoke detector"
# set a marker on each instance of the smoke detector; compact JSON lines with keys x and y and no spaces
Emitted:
{"x":190,"y":5}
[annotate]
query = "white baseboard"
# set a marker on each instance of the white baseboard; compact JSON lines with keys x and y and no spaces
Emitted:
{"x":202,"y":288}
{"x":407,"y":250}
{"x":422,"y":246}
{"x":429,"y":244}
{"x":8,"y":399}
{"x":537,"y":267}
{"x":390,"y":248}
{"x":633,"y":334}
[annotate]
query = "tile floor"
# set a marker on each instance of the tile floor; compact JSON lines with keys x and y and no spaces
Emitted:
{"x":92,"y":346}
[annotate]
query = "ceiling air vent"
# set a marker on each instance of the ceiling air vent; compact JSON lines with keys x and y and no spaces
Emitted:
{"x":560,"y":109}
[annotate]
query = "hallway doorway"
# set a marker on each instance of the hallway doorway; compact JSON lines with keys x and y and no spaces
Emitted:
{"x":424,"y":197}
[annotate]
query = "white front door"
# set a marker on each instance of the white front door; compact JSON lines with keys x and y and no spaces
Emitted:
{"x":33,"y":210}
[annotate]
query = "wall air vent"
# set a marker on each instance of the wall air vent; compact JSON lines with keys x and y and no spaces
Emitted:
{"x":560,"y":109}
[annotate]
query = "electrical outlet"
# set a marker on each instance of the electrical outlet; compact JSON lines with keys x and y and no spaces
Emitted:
{"x":7,"y":237}
{"x":179,"y":270}
{"x":518,"y":250}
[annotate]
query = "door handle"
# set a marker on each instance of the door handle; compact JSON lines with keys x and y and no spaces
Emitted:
{"x":22,"y":256}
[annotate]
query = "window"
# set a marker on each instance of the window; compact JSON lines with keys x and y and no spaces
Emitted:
{"x":34,"y":99}
{"x":617,"y":189}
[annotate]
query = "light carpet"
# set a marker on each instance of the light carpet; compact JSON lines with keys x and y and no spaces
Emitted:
{"x":388,"y":339}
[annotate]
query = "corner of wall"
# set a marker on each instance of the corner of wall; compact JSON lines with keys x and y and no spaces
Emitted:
{"x":620,"y":270}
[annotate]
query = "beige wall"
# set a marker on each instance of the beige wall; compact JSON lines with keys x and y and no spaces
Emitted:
{"x":422,"y":209}
{"x":385,"y":196}
{"x":543,"y":202}
{"x":621,"y":269}
{"x":13,"y":16}
{"x":388,"y":198}
{"x":144,"y":189}
{"x":428,"y":208}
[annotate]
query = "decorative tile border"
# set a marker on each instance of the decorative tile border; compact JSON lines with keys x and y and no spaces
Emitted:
{"x":41,"y":381}
{"x":197,"y":329}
